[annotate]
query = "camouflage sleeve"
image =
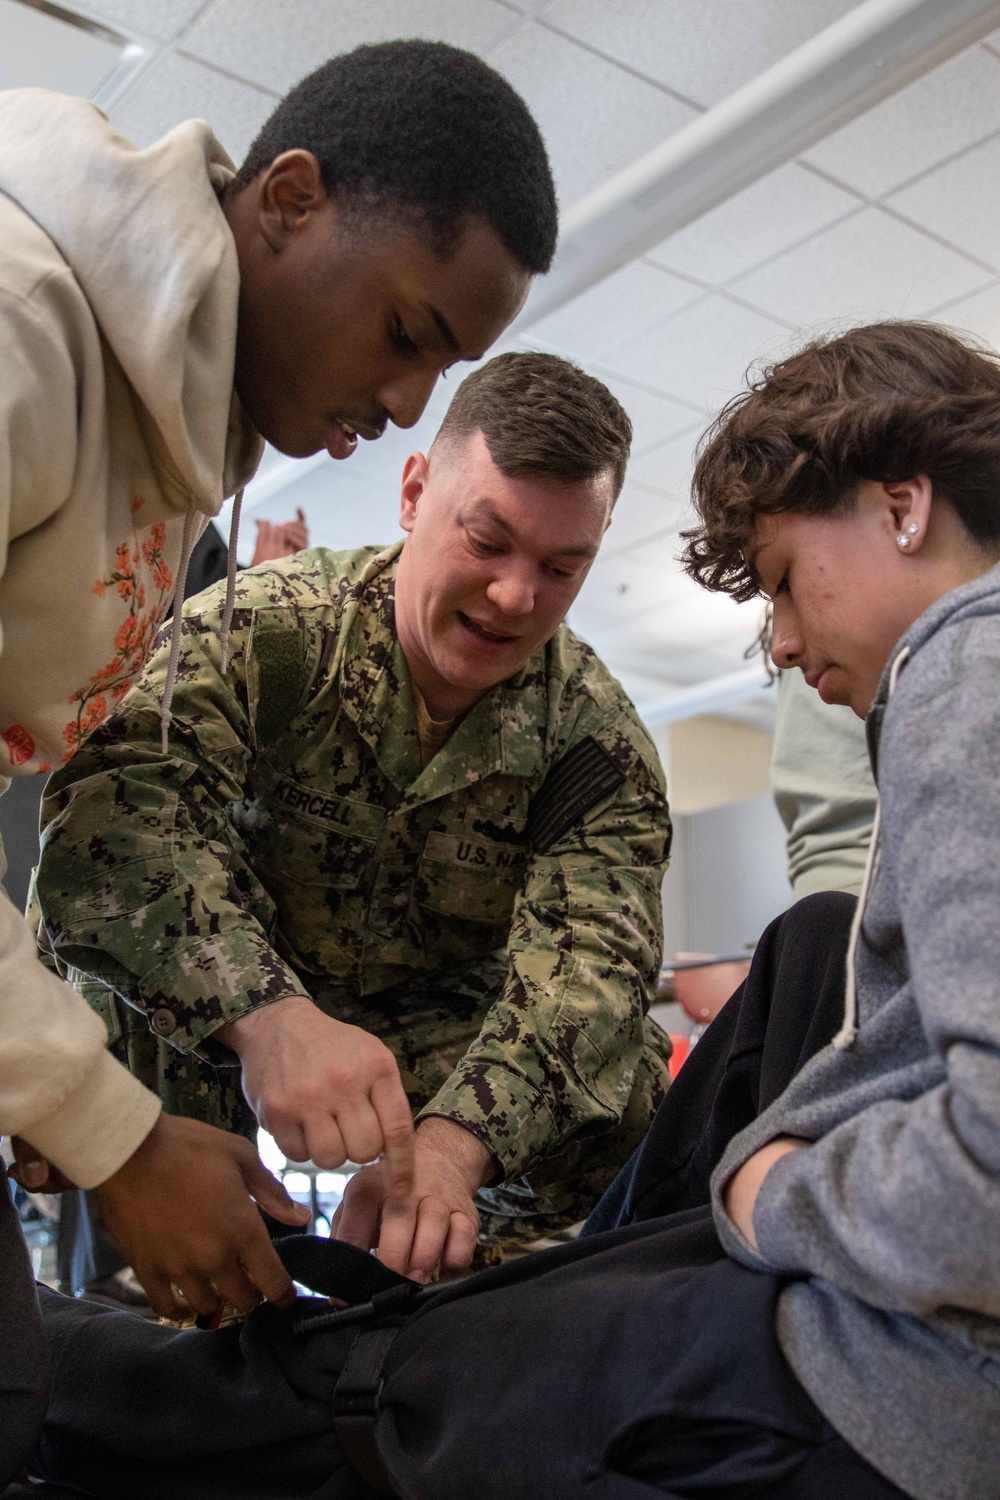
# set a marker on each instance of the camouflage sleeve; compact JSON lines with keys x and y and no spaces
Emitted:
{"x":557,"y":1053}
{"x":142,"y":883}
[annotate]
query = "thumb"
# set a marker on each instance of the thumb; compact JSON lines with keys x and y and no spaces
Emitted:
{"x":270,"y":1195}
{"x":31,"y":1167}
{"x":300,"y":514}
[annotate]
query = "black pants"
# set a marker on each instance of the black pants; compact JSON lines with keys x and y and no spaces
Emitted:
{"x":639,"y":1361}
{"x":23,"y":1354}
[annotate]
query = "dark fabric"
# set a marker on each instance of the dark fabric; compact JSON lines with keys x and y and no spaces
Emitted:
{"x":789,"y":1006}
{"x":637,"y":1361}
{"x":23,"y":1356}
{"x":640,"y":1362}
{"x":209,"y":563}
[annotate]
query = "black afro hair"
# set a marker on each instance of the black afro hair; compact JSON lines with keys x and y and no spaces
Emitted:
{"x":425,"y":128}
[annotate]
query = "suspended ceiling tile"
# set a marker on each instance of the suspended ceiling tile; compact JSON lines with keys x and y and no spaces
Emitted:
{"x":978,"y":314}
{"x":703,"y":51}
{"x":622,"y":585}
{"x":943,"y":113}
{"x":184,"y":90}
{"x":763,"y":220}
{"x":595,"y":117}
{"x":654,"y":418}
{"x":700,"y":355}
{"x":42,"y":51}
{"x":627,"y":302}
{"x":867,"y":267}
{"x":668,"y":466}
{"x":162,"y":19}
{"x":276,"y":45}
{"x":957,"y":201}
{"x":640,"y":516}
{"x":682,"y":626}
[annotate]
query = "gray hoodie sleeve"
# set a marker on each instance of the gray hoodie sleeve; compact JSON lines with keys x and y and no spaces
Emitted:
{"x":899,"y":1203}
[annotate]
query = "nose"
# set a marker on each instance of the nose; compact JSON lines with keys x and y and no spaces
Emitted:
{"x":405,"y":397}
{"x":787,"y":645}
{"x":512,"y":591}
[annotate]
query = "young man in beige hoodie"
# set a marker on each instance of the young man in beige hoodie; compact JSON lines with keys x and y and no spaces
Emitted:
{"x":158,"y":317}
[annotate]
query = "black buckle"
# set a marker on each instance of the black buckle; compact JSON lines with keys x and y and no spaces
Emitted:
{"x":394,"y":1302}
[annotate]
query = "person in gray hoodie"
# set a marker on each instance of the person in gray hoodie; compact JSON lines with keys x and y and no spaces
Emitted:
{"x":161,"y":313}
{"x":800,"y":1298}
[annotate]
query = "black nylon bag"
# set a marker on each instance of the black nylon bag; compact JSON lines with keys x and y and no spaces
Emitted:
{"x":603,"y":1368}
{"x":554,"y":1376}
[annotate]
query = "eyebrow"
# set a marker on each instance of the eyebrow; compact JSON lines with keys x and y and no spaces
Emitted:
{"x":483,"y":509}
{"x":443,"y":327}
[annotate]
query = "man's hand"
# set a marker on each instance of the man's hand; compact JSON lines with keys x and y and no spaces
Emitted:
{"x":327,"y":1092}
{"x":181,"y":1211}
{"x":31,"y":1170}
{"x":434,"y":1229}
{"x":280,"y":538}
{"x":740,"y":1193}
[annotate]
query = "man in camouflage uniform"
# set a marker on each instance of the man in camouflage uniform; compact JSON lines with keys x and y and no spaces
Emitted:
{"x":412,"y":832}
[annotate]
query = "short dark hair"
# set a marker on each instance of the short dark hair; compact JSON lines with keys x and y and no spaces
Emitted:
{"x":885,"y":402}
{"x":540,"y":414}
{"x":427,"y":129}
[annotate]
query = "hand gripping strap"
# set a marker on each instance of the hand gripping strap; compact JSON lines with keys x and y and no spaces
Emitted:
{"x":573,"y":786}
{"x":356,"y":1405}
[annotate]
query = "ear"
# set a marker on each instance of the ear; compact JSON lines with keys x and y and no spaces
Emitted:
{"x":291,"y":190}
{"x":910,"y":503}
{"x":415,"y":475}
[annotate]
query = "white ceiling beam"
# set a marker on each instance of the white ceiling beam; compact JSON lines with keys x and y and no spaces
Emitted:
{"x":870,"y":53}
{"x":712,"y":696}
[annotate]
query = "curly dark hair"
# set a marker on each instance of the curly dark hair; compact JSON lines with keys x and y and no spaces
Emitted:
{"x":542,"y":415}
{"x":426,"y":130}
{"x":885,"y":402}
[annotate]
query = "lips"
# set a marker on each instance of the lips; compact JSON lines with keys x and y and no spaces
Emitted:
{"x":483,"y":632}
{"x":342,"y":441}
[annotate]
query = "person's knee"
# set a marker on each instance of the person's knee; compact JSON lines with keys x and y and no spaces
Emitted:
{"x":829,"y":913}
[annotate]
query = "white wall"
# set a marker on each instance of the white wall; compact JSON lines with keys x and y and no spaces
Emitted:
{"x":726,"y":879}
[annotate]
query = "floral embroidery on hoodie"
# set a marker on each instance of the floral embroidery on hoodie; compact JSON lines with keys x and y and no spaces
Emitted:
{"x":137,"y":574}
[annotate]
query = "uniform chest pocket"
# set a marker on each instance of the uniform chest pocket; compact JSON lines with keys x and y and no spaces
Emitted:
{"x":317,"y":838}
{"x":474,"y":878}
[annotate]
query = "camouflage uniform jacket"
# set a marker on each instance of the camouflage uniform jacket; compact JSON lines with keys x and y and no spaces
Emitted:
{"x":291,"y":842}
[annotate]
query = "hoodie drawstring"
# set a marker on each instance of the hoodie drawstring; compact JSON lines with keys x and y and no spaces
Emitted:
{"x":227,"y":613}
{"x":187,"y":546}
{"x":849,"y":1029}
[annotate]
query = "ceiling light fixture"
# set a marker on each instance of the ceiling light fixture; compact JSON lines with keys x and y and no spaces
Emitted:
{"x":46,"y":45}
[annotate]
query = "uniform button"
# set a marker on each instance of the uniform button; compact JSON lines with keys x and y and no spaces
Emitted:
{"x":164,"y":1022}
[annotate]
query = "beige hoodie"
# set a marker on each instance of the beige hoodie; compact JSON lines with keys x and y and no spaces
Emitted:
{"x":119,"y":285}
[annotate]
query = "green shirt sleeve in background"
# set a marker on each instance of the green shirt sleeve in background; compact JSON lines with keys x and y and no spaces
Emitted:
{"x":824,"y":790}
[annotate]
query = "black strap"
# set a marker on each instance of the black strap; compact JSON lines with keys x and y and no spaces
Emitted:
{"x":396,"y":1301}
{"x":335,"y":1269}
{"x":356,"y":1405}
{"x":575,"y":784}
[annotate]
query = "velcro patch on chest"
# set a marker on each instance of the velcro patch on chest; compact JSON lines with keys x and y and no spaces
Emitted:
{"x":584,"y":776}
